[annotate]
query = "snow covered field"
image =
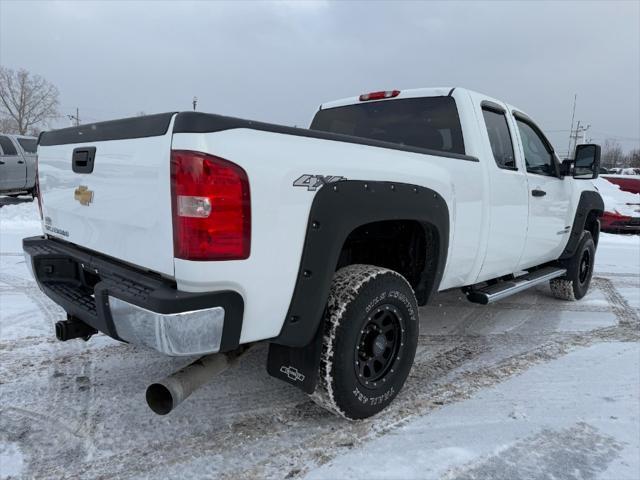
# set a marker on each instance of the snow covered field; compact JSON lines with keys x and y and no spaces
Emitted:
{"x":531,"y":387}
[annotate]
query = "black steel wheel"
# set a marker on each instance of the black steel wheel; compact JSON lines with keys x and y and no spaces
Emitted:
{"x":575,"y":284}
{"x":379,"y":345}
{"x":369,"y":342}
{"x":584,"y":270}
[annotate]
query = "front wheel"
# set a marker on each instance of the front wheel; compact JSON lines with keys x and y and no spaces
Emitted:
{"x":369,"y":343}
{"x":575,"y":284}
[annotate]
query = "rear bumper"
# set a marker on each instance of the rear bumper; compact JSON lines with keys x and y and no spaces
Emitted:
{"x":138,"y":307}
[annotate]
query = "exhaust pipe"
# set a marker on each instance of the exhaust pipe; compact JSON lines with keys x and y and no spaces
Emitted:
{"x":73,"y":328}
{"x":164,"y":396}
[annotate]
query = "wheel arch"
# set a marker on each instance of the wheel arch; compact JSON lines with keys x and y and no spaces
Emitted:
{"x":340,"y":209}
{"x":590,"y":208}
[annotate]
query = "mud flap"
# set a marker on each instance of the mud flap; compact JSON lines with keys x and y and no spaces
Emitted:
{"x":298,"y":366}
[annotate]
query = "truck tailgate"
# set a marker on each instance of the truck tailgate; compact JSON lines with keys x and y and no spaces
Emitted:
{"x":106,"y":187}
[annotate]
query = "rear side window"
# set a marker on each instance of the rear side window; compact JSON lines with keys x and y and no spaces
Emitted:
{"x":500,"y":138}
{"x":29,"y":145}
{"x":428,"y":122}
{"x":7,"y":146}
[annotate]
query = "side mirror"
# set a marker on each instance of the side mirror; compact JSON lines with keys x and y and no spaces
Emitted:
{"x":587,"y":161}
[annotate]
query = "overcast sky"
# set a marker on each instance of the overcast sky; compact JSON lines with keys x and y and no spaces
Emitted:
{"x":278,"y":61}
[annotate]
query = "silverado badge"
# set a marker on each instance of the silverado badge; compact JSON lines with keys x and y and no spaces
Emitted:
{"x":83,"y":195}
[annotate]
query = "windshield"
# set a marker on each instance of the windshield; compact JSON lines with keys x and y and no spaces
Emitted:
{"x":427,"y":122}
{"x":29,"y":145}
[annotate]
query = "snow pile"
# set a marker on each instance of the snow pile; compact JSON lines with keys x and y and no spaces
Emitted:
{"x":617,"y":200}
{"x":19,"y":217}
{"x":11,"y":461}
{"x":16,"y":222}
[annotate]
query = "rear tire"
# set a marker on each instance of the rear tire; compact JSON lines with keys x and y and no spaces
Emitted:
{"x":370,"y":339}
{"x":575,"y":284}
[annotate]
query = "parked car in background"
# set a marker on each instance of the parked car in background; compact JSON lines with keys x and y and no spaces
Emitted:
{"x":622,"y":208}
{"x":17,"y":164}
{"x":628,"y":183}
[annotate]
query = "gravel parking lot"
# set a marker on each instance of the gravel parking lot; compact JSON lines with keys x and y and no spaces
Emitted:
{"x":531,"y":387}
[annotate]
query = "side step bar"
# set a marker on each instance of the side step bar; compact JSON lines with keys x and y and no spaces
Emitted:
{"x":498,"y":291}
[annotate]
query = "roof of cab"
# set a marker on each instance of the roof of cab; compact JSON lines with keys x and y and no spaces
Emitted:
{"x":409,"y":93}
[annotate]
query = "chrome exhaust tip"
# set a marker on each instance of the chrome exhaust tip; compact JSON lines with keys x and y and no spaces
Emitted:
{"x":164,"y":396}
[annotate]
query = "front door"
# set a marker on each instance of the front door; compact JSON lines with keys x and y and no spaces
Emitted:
{"x":549,"y":197}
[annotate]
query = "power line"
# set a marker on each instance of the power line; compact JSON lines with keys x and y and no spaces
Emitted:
{"x":618,"y":137}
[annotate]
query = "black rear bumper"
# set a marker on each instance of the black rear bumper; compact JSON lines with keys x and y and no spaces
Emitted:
{"x":81,"y":282}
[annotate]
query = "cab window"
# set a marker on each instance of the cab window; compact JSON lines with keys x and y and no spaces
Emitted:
{"x":29,"y":145}
{"x":427,"y":122}
{"x":499,"y":138}
{"x":537,"y":153}
{"x":7,"y":146}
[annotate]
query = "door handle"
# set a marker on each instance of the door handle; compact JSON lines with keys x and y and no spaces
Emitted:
{"x":538,"y":193}
{"x":20,"y":161}
{"x":1,"y":162}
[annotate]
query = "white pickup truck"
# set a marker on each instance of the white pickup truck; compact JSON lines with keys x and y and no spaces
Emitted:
{"x":199,"y":234}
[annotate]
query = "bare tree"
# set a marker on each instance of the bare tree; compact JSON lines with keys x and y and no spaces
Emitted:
{"x":8,"y":125}
{"x":612,"y":154}
{"x":633,"y":158}
{"x":26,"y":100}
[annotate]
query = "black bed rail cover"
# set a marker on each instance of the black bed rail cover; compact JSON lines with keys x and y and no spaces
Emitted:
{"x":126,"y":128}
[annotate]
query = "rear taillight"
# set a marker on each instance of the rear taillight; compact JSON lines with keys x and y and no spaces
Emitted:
{"x":211,"y":207}
{"x":379,"y":95}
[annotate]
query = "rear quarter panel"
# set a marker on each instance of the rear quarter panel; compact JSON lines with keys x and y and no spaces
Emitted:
{"x":280,"y":212}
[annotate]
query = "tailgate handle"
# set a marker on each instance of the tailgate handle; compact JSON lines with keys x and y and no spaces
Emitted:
{"x":82,"y":159}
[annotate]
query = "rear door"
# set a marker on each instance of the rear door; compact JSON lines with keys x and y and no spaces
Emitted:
{"x":13,"y":169}
{"x":508,"y":200}
{"x":29,"y":147}
{"x":549,"y":197}
{"x":107,"y":187}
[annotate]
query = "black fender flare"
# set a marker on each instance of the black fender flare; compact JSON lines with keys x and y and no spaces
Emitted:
{"x":337,"y":210}
{"x":589,"y":202}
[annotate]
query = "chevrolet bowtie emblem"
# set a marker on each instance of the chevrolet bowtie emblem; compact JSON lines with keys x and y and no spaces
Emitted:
{"x":83,"y":195}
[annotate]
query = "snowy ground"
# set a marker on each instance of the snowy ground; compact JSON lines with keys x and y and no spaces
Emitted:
{"x":531,"y":387}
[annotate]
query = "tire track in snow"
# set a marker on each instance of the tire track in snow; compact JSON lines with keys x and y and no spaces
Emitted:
{"x":448,"y":368}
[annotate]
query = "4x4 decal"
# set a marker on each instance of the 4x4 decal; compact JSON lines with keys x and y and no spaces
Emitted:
{"x":313,"y":182}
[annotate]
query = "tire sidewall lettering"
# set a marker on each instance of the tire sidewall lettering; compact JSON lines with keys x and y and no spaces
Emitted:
{"x":373,"y":303}
{"x":367,"y":400}
{"x":407,"y":303}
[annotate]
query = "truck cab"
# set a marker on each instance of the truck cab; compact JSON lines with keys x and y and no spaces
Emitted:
{"x":521,"y":204}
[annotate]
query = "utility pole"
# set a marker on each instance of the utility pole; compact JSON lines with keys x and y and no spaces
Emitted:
{"x":577,"y":137}
{"x":195,"y":102}
{"x":75,"y":118}
{"x":573,"y":115}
